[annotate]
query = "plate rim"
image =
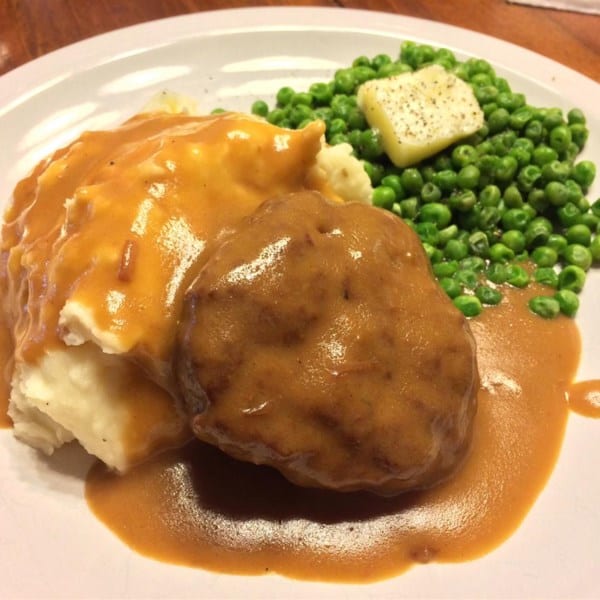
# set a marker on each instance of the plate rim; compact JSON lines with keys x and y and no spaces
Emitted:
{"x":92,"y":51}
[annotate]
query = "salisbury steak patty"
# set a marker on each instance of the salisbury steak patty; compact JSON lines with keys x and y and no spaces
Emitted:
{"x":315,"y":340}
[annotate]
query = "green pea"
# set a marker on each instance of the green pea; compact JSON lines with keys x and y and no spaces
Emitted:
{"x":488,"y":295}
{"x":436,"y":212}
{"x":570,"y":154}
{"x":488,"y":109}
{"x":544,"y":256}
{"x":344,"y":81}
{"x":517,"y":276}
{"x":468,"y":177}
{"x":556,"y":193}
{"x":543,"y":154}
{"x":462,"y":201}
{"x":430,"y":192}
{"x":393,"y":181}
{"x":522,"y":156}
{"x":429,"y":250}
{"x":575,"y":115}
{"x":571,"y":278}
{"x":362,"y":73}
{"x":579,"y":234}
{"x":456,"y":250}
{"x":322,"y":93}
{"x":412,"y":180}
{"x":553,"y":118}
{"x":557,"y":242}
{"x":451,"y":287}
{"x":568,"y":214}
{"x":556,"y":171}
{"x":507,"y":168}
{"x":537,"y":232}
{"x":336,"y":138}
{"x":514,"y":239}
{"x":337,"y":125}
{"x":445,"y":179}
{"x":361,"y":61}
{"x":470,"y":306}
{"x":383,"y":196}
{"x":276,"y":116}
{"x":590,"y":220}
{"x":560,"y":137}
{"x":502,"y":142}
{"x":374,"y":171}
{"x":578,"y":255}
{"x":324,"y":113}
{"x":529,"y":210}
{"x":490,"y":195}
{"x":485,"y":92}
{"x":501,"y":253}
{"x":528,"y":176}
{"x":544,"y":306}
{"x":284,"y":96}
{"x":515,"y":218}
{"x":260,"y":108}
{"x":520,"y":117}
{"x":579,"y":134}
{"x":510,"y":101}
{"x":428,"y":232}
{"x":584,"y":173}
{"x":446,"y":268}
{"x":466,"y":278}
{"x":380,"y":60}
{"x":473,"y":263}
{"x":446,"y":55}
{"x":393,"y":68}
{"x":356,"y":119}
{"x":568,"y":302}
{"x":546,"y":276}
{"x":478,"y":244}
{"x":512,"y":197}
{"x":498,"y":120}
{"x":525,"y":144}
{"x":370,"y":144}
{"x":409,"y":207}
{"x":488,"y":218}
{"x":497,"y":273}
{"x":595,"y":248}
{"x":300,"y":113}
{"x":534,"y":130}
{"x":537,"y":200}
{"x":463,"y":155}
{"x":446,"y":234}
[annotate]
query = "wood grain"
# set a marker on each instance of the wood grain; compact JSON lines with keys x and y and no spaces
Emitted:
{"x":31,"y":28}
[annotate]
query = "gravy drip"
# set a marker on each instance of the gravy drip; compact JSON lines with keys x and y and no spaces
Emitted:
{"x":584,"y":398}
{"x":196,"y":506}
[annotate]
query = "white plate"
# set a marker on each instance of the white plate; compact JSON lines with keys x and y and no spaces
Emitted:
{"x":50,"y":544}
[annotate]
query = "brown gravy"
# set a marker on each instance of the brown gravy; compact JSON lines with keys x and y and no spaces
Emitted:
{"x":584,"y":398}
{"x":195,"y":506}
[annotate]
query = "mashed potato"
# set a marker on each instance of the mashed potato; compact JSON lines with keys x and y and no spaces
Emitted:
{"x":99,"y":245}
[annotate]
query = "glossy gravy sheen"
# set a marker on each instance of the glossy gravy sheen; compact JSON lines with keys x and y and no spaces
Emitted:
{"x":113,"y":227}
{"x":195,"y":506}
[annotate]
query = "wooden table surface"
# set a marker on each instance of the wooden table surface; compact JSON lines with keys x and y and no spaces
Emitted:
{"x":31,"y":28}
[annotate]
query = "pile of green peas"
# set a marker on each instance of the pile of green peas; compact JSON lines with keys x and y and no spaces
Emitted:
{"x":505,"y":206}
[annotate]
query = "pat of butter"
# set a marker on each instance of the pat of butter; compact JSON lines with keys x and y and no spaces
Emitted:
{"x":420,"y":113}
